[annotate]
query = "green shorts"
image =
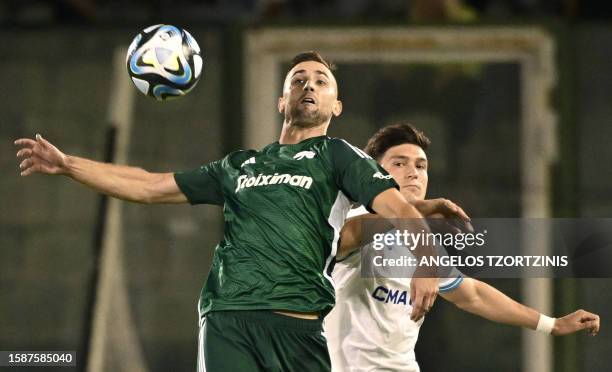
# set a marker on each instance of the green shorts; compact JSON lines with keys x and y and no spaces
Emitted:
{"x":261,"y":341}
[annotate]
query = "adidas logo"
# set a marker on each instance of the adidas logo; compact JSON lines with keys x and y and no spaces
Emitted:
{"x":304,"y":154}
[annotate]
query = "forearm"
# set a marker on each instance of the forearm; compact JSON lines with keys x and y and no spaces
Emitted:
{"x":483,"y":300}
{"x":409,"y":220}
{"x":406,"y":219}
{"x":119,"y":181}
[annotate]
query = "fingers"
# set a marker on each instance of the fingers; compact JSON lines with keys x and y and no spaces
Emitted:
{"x":30,"y":153}
{"x":28,"y":171}
{"x":579,"y":320}
{"x":25,"y":152}
{"x":464,"y":226}
{"x":590,"y":321}
{"x":421,"y":306}
{"x":26,"y":164}
{"x":428,"y":302}
{"x":25,"y":142}
{"x":413,"y":302}
{"x":442,"y":226}
{"x":592,"y":326}
{"x":423,"y":292}
{"x":585,"y":316}
{"x":43,"y":142}
{"x":418,"y":310}
{"x":454,"y":209}
{"x":27,"y":167}
{"x":450,"y":225}
{"x":461,"y":213}
{"x":30,"y":143}
{"x":453,"y":229}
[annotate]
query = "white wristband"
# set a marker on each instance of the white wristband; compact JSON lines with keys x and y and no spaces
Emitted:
{"x":545,"y":324}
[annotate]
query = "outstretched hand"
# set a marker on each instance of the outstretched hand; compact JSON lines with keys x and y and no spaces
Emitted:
{"x":577,"y":321}
{"x":40,"y":156}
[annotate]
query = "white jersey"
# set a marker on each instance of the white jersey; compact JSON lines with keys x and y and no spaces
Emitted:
{"x":369,"y":328}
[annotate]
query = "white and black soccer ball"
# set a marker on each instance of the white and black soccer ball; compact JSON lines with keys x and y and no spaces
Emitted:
{"x":164,"y":62}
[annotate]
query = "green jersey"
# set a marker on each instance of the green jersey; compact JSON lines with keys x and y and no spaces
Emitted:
{"x":283,"y":207}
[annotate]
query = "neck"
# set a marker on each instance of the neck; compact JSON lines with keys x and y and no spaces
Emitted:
{"x":291,"y":134}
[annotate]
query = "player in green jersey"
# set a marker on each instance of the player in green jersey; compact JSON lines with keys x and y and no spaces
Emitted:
{"x":269,"y":287}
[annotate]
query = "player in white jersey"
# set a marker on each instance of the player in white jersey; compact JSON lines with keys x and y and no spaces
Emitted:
{"x":370,"y":328}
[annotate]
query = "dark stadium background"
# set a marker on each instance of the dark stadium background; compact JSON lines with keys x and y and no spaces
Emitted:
{"x":56,"y":67}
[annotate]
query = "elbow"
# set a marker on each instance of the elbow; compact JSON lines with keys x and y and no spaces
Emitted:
{"x":147,"y":195}
{"x":468,"y":304}
{"x":135,"y":197}
{"x":153,"y":190}
{"x":145,"y":200}
{"x":469,"y":297}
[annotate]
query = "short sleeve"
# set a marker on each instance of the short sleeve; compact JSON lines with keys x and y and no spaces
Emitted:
{"x":359,"y":176}
{"x":451,"y":277}
{"x":452,"y":282}
{"x":202,"y":185}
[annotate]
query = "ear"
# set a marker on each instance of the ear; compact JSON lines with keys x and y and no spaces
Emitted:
{"x":337,"y":109}
{"x":281,"y":105}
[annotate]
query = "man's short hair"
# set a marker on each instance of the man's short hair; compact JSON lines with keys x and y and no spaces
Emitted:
{"x":395,"y":135}
{"x":311,"y":56}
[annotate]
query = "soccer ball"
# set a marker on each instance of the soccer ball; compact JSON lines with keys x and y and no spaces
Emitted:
{"x":164,"y":62}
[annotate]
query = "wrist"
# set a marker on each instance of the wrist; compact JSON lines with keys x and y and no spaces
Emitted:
{"x":67,"y":165}
{"x":426,"y":207}
{"x":546,"y":324}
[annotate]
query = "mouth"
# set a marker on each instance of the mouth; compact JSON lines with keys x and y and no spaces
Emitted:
{"x":308,"y":101}
{"x":414,"y":187}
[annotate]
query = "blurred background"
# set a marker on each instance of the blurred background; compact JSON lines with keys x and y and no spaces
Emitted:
{"x":58,"y":70}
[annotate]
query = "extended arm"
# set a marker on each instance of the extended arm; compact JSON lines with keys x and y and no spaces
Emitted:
{"x":443,"y":209}
{"x":483,"y":300}
{"x":123,"y":182}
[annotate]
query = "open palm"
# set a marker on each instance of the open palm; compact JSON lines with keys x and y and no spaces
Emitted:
{"x":39,"y":156}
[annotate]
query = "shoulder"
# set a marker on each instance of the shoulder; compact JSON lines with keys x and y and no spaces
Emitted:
{"x":341,"y":148}
{"x":236,"y":158}
{"x":339,"y":144}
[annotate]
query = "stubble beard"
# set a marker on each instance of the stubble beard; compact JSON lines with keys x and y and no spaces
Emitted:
{"x":308,"y":119}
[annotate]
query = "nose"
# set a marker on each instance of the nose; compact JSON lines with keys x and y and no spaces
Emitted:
{"x":410,"y":172}
{"x":309,"y":86}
